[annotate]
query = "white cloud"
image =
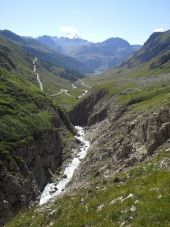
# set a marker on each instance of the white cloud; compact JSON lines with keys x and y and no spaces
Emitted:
{"x":69,"y":31}
{"x":159,"y":29}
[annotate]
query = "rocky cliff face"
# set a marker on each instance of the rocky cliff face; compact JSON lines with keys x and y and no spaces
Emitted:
{"x":22,"y":180}
{"x":24,"y":174}
{"x":120,"y":139}
{"x":140,"y":138}
{"x":155,"y":130}
{"x":85,"y":112}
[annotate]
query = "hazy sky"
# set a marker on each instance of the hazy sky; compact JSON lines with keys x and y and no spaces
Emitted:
{"x":95,"y":20}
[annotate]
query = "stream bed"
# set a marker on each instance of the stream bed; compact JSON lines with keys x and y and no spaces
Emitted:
{"x":54,"y":189}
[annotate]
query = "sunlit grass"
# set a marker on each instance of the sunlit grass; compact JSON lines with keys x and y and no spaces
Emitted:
{"x":107,"y":203}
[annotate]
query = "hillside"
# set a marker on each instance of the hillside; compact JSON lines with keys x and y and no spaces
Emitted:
{"x":149,"y":64}
{"x":154,"y":55}
{"x":31,"y":142}
{"x":35,"y":48}
{"x":19,"y":59}
{"x":97,"y":57}
{"x":124,"y":178}
{"x":35,"y":133}
{"x":156,"y":47}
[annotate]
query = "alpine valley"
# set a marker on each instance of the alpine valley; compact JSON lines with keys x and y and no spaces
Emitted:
{"x":84,"y":131}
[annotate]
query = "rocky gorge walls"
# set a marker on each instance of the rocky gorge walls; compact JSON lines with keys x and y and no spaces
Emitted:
{"x":22,"y":180}
{"x":155,"y":130}
{"x":24,"y":174}
{"x":82,"y":112}
{"x":120,"y":137}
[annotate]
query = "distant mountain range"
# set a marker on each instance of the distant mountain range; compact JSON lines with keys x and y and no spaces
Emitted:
{"x":79,"y":57}
{"x":75,"y":53}
{"x":33,"y":47}
{"x":97,"y":57}
{"x":56,"y":70}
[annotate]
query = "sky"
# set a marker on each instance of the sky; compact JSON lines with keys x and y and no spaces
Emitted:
{"x":94,"y":20}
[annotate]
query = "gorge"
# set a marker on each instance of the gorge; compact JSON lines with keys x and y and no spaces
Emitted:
{"x":54,"y":189}
{"x":83,"y":151}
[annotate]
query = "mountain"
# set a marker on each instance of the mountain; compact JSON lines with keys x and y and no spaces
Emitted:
{"x":35,"y":133}
{"x":97,"y":57}
{"x":124,"y":178}
{"x":62,"y":44}
{"x":35,"y":48}
{"x":151,"y":59}
{"x":18,"y":58}
{"x":31,"y":142}
{"x":155,"y":52}
{"x":75,"y":54}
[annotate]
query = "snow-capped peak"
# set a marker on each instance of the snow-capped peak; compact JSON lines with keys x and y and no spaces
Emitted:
{"x":71,"y":35}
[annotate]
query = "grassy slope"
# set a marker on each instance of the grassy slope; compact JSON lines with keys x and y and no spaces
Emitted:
{"x":34,"y":47}
{"x":25,"y":112}
{"x":24,"y":66}
{"x":24,"y":108}
{"x":49,"y":74}
{"x":152,"y":60}
{"x":105,"y":202}
{"x":101,"y":203}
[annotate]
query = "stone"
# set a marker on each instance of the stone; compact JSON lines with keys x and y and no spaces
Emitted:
{"x":164,"y":115}
{"x":22,"y":179}
{"x":100,"y":207}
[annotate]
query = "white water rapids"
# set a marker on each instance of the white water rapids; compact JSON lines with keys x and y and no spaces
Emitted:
{"x":52,"y":189}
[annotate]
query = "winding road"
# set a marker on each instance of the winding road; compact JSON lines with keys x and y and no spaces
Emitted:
{"x":61,"y":91}
{"x":35,"y":71}
{"x":74,"y":86}
{"x":80,"y":96}
{"x":83,"y":83}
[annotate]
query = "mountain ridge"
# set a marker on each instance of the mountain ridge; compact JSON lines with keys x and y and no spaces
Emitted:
{"x":157,"y":44}
{"x":98,"y":56}
{"x":76,"y":54}
{"x":34,"y":47}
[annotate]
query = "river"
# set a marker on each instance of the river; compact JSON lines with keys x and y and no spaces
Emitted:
{"x":54,"y":189}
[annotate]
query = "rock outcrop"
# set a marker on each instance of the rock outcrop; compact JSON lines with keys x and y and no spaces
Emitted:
{"x":155,"y":130}
{"x":85,"y":109}
{"x":24,"y":173}
{"x":139,"y":138}
{"x":120,"y":138}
